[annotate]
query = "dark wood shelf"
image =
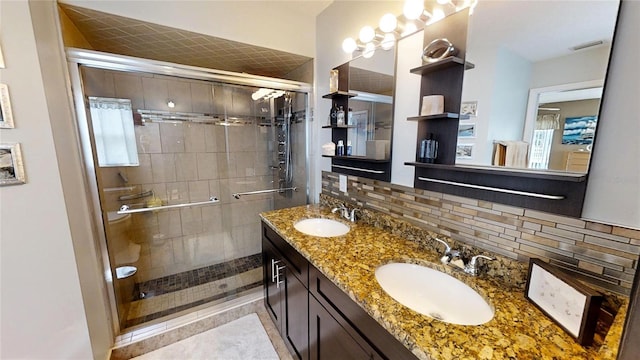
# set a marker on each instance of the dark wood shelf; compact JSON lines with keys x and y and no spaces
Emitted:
{"x":496,"y":170}
{"x":338,"y":127}
{"x":358,"y":158}
{"x":442,"y":64}
{"x":338,"y":94}
{"x":434,"y":117}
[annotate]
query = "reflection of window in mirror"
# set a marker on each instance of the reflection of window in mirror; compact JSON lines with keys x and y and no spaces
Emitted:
{"x":525,"y":49}
{"x":565,"y":126}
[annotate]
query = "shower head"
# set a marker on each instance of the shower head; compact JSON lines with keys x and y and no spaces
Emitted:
{"x":237,"y":196}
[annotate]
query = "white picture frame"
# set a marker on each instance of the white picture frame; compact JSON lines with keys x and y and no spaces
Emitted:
{"x":467,"y":131}
{"x":464,"y":151}
{"x":468,"y":109}
{"x":11,"y":166}
{"x":6,"y":115}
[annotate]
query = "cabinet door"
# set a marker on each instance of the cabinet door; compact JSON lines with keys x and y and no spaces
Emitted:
{"x":328,"y":340}
{"x":272,"y":293}
{"x":296,"y":321}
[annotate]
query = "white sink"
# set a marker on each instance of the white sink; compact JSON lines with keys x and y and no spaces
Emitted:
{"x":434,"y":293}
{"x":321,"y":227}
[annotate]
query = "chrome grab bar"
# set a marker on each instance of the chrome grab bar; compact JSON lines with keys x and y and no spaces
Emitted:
{"x":359,"y":169}
{"x":508,"y":191}
{"x":237,"y":195}
{"x":126,"y":209}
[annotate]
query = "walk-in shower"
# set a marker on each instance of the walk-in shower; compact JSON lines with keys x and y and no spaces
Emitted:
{"x":182,"y":168}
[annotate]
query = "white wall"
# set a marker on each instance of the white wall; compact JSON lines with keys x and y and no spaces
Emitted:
{"x":406,"y":104}
{"x":42,"y":314}
{"x":280,"y":25}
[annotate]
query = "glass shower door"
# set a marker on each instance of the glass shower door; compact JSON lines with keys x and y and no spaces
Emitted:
{"x":173,"y":249}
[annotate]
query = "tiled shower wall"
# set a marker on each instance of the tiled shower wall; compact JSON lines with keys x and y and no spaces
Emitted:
{"x":179,"y":240}
{"x":604,"y":255}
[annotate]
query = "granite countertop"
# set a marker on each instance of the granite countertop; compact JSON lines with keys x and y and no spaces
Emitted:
{"x":517,"y":331}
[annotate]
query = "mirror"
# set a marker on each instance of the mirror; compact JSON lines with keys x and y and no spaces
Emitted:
{"x":371,"y":111}
{"x":533,"y":98}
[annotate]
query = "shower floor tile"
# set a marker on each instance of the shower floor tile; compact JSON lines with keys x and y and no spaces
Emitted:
{"x":247,"y":275}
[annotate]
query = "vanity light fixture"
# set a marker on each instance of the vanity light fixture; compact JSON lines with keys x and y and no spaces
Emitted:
{"x":369,"y":50}
{"x":413,"y":9}
{"x":388,"y":23}
{"x":367,"y":34}
{"x":388,"y":41}
{"x":266,"y":94}
{"x":349,"y":45}
{"x":392,"y":27}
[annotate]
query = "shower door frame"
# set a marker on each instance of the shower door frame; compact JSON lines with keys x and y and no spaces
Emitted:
{"x":107,"y":61}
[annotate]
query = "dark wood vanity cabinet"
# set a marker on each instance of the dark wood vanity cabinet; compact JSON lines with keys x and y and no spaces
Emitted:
{"x":315,"y":318}
{"x":286,"y":295}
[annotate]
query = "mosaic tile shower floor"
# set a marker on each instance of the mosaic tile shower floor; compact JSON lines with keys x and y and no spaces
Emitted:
{"x":172,"y":294}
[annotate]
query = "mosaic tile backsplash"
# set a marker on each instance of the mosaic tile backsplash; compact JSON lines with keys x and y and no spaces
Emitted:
{"x":603,"y":255}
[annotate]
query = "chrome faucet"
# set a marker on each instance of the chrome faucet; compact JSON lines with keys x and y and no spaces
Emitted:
{"x":454,"y":258}
{"x":448,"y":253}
{"x":471,"y":267}
{"x":346,"y":213}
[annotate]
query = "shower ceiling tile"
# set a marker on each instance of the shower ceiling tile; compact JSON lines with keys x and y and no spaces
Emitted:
{"x":130,"y":37}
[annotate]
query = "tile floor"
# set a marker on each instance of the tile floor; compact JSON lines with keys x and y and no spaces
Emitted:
{"x":148,"y":338}
{"x":179,"y":292}
{"x":241,"y":339}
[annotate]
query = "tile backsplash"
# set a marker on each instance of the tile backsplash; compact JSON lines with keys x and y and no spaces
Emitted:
{"x":603,"y":255}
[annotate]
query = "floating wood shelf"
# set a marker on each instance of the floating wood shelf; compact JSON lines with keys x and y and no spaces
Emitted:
{"x":434,"y":117}
{"x":442,"y":64}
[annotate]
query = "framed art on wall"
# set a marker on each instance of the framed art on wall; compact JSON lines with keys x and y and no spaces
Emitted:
{"x":11,"y":167}
{"x":566,"y":301}
{"x":6,"y":115}
{"x":464,"y":151}
{"x":467,"y":130}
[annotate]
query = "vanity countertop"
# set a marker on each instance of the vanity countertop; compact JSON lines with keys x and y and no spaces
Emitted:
{"x":517,"y":331}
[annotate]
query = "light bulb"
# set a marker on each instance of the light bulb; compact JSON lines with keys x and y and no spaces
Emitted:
{"x":368,"y":51}
{"x":388,"y":23}
{"x":171,"y":104}
{"x":367,"y":34}
{"x":413,"y":9}
{"x":388,"y":41}
{"x":409,"y":29}
{"x":349,"y":45}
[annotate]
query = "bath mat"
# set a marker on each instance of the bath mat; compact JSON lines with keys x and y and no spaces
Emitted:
{"x":241,"y":339}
